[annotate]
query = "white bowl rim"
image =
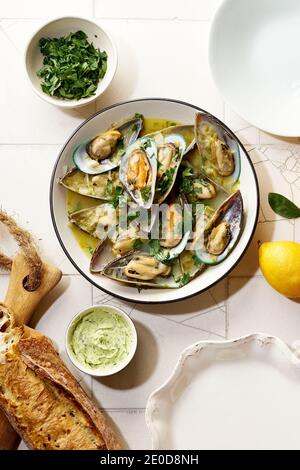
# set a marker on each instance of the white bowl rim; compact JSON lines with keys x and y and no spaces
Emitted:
{"x":123,"y":364}
{"x":83,"y":101}
{"x":52,"y":210}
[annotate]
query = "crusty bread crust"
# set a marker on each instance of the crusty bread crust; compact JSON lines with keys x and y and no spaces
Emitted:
{"x":44,"y":402}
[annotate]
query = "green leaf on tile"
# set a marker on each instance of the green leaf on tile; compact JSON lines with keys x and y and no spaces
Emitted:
{"x":283,"y":206}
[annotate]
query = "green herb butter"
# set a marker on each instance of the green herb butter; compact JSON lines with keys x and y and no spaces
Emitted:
{"x":101,"y":338}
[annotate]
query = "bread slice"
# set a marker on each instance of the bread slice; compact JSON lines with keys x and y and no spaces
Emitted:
{"x":44,"y":402}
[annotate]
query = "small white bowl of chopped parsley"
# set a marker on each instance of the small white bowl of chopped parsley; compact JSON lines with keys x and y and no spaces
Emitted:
{"x":70,"y":61}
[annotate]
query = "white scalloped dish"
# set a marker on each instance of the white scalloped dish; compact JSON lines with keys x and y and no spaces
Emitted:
{"x":240,"y":394}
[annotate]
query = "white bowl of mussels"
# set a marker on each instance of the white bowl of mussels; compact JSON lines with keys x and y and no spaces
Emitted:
{"x":154,"y":200}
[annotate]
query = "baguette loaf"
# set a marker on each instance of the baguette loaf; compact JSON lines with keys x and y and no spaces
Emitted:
{"x":41,"y":398}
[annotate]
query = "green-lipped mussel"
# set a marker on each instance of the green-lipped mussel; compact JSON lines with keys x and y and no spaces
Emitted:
{"x":172,"y":144}
{"x":218,"y":152}
{"x":222,"y":231}
{"x":164,"y":172}
{"x":140,"y":268}
{"x":138,"y":170}
{"x":101,"y":186}
{"x":103,"y":152}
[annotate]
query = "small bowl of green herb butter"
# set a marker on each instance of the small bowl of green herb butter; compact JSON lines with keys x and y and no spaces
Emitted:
{"x":101,"y":340}
{"x":70,"y":61}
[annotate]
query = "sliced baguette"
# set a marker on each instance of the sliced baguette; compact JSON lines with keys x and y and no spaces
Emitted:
{"x":43,"y":401}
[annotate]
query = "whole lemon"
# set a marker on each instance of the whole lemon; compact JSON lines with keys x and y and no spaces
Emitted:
{"x":280,"y":264}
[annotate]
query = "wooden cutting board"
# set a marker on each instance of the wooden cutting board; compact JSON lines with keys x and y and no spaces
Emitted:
{"x":22,"y":304}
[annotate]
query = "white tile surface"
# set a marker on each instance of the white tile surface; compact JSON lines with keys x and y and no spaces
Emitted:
{"x":162,"y":49}
{"x":30,"y":168}
{"x":170,"y":9}
{"x":160,"y":339}
{"x":37,"y":9}
{"x":157,"y":69}
{"x":133,"y":421}
{"x":34,"y":121}
{"x":253,"y":306}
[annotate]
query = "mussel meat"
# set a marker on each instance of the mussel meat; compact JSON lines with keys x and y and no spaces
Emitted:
{"x":218,"y":238}
{"x":138,"y":171}
{"x":103,"y":145}
{"x":172,"y":230}
{"x":140,"y":268}
{"x":146,"y":268}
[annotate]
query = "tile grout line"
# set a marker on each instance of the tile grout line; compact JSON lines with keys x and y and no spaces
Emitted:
{"x":217,"y":309}
{"x":189,"y":326}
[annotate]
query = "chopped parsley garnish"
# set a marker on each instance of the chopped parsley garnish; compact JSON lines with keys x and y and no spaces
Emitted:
{"x":186,"y":185}
{"x":117,"y":196}
{"x":185,"y":279}
{"x":137,"y":244}
{"x":145,"y":193}
{"x":166,"y":180}
{"x":187,"y":172}
{"x":72,"y":66}
{"x":158,"y":252}
{"x":138,"y":115}
{"x":154,"y":247}
{"x":109,"y":187}
{"x":133,"y":216}
{"x":159,"y":164}
{"x":120,"y":144}
{"x":146,"y":143}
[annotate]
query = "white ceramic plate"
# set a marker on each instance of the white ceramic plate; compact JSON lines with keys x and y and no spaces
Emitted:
{"x":239,"y":394}
{"x":255,"y":61}
{"x":61,"y":27}
{"x":160,"y":108}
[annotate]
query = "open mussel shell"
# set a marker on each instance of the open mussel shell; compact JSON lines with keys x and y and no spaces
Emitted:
{"x":127,"y":132}
{"x":219,"y":152}
{"x":143,"y":270}
{"x":137,"y":171}
{"x":222,"y":231}
{"x":101,"y":256}
{"x":172,"y":143}
{"x":188,"y":260}
{"x":96,"y":221}
{"x":190,"y":264}
{"x":98,"y":186}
